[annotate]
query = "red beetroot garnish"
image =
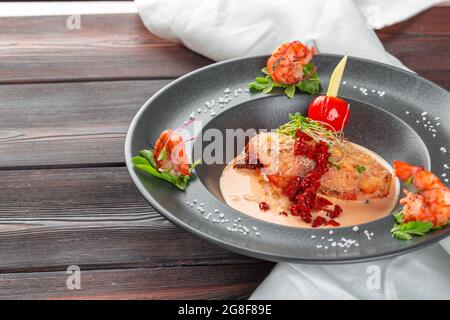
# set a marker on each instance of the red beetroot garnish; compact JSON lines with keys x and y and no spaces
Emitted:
{"x":302,"y":192}
{"x":299,"y":211}
{"x":302,"y":146}
{"x":333,"y":223}
{"x":321,"y":203}
{"x":336,"y":212}
{"x":319,"y":221}
{"x":263,"y":206}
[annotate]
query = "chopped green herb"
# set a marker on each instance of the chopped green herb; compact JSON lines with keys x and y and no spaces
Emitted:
{"x":266,"y":84}
{"x":360,"y":168}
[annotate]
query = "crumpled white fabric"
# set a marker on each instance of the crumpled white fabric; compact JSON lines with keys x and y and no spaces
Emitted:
{"x":224,"y":29}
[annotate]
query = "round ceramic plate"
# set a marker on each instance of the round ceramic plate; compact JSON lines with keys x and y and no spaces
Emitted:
{"x":395,"y":113}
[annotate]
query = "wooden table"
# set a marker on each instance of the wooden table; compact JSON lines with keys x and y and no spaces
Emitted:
{"x":66,"y":100}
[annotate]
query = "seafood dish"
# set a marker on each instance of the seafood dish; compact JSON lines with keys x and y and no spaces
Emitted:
{"x":306,"y":173}
{"x":279,"y":180}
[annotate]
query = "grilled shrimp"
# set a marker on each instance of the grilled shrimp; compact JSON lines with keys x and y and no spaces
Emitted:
{"x":431,"y":202}
{"x":285,"y":65}
{"x":175,"y":158}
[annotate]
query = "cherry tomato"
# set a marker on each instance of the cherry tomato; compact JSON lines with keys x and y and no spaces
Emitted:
{"x":333,"y":111}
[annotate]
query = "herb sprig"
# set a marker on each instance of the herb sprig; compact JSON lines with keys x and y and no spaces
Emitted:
{"x":405,"y":230}
{"x":312,"y":128}
{"x":145,"y":162}
{"x":266,"y":84}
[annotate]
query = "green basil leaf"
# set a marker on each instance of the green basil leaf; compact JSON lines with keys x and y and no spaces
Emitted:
{"x":404,"y":231}
{"x":265,"y":71}
{"x":149,"y":155}
{"x":416,"y":227}
{"x":268,"y":89}
{"x":290,"y":91}
{"x":145,"y":162}
{"x":401,"y":235}
{"x":256,"y":86}
{"x":140,"y":160}
{"x":261,"y":80}
{"x":398,"y":217}
{"x":311,"y":86}
{"x":360,"y":169}
{"x":308,"y":68}
{"x":148,"y":169}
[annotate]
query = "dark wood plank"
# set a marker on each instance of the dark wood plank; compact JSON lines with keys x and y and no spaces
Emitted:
{"x":43,"y":49}
{"x":92,"y":217}
{"x":423,"y":44}
{"x":201,"y":282}
{"x":68,"y":124}
{"x":128,"y":51}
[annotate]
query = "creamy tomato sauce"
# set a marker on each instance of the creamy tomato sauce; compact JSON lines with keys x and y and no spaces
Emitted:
{"x":244,"y":189}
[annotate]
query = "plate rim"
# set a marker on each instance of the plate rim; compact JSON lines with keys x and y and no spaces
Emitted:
{"x":255,"y":253}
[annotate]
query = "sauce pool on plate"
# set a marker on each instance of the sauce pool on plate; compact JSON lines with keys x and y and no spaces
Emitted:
{"x":244,"y":190}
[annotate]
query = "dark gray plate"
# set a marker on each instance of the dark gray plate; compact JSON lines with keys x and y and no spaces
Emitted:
{"x":395,"y":113}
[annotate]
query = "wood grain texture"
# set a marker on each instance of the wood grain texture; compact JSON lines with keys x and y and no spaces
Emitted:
{"x":66,"y":100}
{"x":423,"y":44}
{"x":68,"y":124}
{"x":200,"y":282}
{"x":43,"y":49}
{"x":109,"y":47}
{"x":91,"y":217}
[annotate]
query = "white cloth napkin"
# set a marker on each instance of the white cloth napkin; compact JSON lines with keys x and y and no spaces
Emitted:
{"x":224,"y":29}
